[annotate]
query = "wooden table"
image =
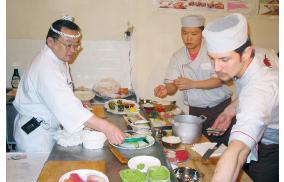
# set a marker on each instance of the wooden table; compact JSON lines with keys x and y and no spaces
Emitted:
{"x":206,"y":167}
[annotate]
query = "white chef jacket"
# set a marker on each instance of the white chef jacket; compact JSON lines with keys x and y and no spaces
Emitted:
{"x":258,"y":110}
{"x":200,"y":68}
{"x":44,"y":93}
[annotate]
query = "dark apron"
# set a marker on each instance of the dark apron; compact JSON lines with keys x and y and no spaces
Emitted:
{"x":266,"y":169}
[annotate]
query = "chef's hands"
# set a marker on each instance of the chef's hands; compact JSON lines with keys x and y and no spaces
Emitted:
{"x":161,"y":91}
{"x":184,"y":83}
{"x":224,"y":120}
{"x":180,"y":83}
{"x":114,"y":134}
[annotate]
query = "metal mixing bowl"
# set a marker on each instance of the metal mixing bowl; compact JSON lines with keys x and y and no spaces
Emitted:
{"x":186,"y":174}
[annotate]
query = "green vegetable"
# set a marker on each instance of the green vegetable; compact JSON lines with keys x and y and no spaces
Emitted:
{"x":157,"y":173}
{"x":132,"y":175}
{"x":140,"y":166}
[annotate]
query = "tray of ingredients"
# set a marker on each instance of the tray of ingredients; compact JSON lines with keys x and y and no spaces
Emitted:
{"x":121,"y":106}
{"x":138,"y":123}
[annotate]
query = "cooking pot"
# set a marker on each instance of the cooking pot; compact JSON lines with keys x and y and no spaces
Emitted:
{"x":188,"y":127}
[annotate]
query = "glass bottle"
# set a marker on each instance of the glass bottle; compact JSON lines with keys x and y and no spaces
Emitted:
{"x":15,"y":78}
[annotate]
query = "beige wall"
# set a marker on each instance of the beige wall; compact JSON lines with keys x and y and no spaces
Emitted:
{"x":156,"y":33}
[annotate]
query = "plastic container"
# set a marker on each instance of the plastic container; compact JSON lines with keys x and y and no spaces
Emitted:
{"x":158,"y":174}
{"x":131,"y":175}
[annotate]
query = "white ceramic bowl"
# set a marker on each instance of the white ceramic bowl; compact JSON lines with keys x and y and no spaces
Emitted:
{"x":93,"y":139}
{"x":146,"y":161}
{"x":85,"y":95}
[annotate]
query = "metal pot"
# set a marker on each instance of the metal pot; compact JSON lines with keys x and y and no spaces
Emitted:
{"x":188,"y":127}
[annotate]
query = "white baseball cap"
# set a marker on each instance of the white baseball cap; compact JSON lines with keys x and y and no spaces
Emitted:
{"x":192,"y":21}
{"x":226,"y":34}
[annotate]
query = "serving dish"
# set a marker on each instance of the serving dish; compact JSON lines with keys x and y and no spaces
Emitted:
{"x":143,"y":162}
{"x":84,"y":173}
{"x":140,"y":144}
{"x":122,"y":106}
{"x":115,"y":96}
{"x":84,"y":95}
{"x":171,"y":142}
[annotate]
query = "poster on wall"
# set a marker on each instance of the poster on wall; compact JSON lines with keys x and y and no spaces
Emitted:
{"x":207,"y":5}
{"x":249,"y":7}
{"x":268,"y":7}
{"x":242,"y":6}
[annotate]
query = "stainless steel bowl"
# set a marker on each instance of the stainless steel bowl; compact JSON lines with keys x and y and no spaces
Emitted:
{"x":186,"y":174}
{"x":188,"y":127}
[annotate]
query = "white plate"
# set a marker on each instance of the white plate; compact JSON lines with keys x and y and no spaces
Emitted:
{"x":85,"y":95}
{"x":136,"y":145}
{"x":130,"y":93}
{"x":84,"y":173}
{"x":148,"y":161}
{"x":115,"y":111}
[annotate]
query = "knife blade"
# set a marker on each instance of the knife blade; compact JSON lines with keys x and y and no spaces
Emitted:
{"x":210,"y":151}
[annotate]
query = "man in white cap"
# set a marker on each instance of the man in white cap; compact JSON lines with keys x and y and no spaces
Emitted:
{"x":190,"y":71}
{"x":45,"y":98}
{"x":255,"y":136}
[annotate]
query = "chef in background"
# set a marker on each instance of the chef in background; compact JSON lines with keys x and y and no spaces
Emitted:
{"x":254,"y":138}
{"x":190,"y":71}
{"x":45,"y":98}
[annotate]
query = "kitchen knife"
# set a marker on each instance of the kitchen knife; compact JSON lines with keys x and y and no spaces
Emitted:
{"x":210,"y":151}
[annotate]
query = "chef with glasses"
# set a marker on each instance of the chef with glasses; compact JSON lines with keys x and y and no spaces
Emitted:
{"x":45,"y":98}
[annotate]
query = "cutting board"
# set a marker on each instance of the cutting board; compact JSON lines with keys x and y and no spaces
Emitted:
{"x":53,"y":170}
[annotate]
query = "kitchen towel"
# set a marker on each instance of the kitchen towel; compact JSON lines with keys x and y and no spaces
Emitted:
{"x":201,"y":148}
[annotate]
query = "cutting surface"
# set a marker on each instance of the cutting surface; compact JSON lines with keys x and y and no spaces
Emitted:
{"x":53,"y":170}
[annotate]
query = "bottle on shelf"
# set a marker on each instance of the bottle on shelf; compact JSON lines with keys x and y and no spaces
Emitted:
{"x":15,"y":79}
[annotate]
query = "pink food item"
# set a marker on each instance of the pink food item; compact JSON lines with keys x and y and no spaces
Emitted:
{"x":75,"y":177}
{"x":181,"y":155}
{"x":94,"y":178}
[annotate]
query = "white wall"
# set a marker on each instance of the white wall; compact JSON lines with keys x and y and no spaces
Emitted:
{"x":156,"y":32}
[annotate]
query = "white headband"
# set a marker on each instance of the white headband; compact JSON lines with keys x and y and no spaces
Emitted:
{"x":68,"y":18}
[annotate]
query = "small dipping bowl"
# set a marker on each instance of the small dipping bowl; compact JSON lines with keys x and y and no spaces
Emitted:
{"x":186,"y":174}
{"x":171,"y":142}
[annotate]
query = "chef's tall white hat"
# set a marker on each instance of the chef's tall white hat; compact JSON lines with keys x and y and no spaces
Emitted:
{"x":192,"y":21}
{"x":226,"y":34}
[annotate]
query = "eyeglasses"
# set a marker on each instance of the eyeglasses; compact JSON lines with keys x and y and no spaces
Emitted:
{"x":76,"y":47}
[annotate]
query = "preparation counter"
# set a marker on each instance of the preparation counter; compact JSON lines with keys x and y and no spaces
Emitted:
{"x":206,"y":167}
{"x":113,"y":166}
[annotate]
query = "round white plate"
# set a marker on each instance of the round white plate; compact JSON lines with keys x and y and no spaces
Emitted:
{"x":85,"y":95}
{"x":148,"y":161}
{"x":84,"y":173}
{"x":136,"y":145}
{"x":98,"y":94}
{"x":115,"y":111}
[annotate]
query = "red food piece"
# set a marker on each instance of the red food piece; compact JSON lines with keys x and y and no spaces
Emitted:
{"x":181,"y":155}
{"x":75,"y":177}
